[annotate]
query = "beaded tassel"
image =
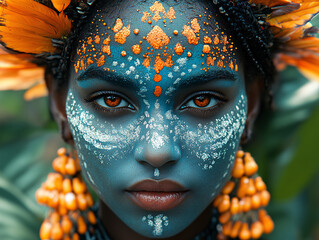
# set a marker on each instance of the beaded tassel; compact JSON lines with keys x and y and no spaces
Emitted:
{"x":70,"y":203}
{"x":242,"y":200}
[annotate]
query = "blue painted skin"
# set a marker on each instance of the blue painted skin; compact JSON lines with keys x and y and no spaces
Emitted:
{"x":188,"y":144}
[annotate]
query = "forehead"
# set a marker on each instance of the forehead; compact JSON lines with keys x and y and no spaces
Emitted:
{"x":156,"y":41}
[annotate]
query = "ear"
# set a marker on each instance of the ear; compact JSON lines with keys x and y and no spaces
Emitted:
{"x":57,"y":100}
{"x":254,"y":91}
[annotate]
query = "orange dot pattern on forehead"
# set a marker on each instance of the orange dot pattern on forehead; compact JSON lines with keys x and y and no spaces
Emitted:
{"x":157,"y":7}
{"x":210,"y":60}
{"x":178,"y":49}
{"x":90,"y":41}
{"x":106,"y":49}
{"x":97,"y":39}
{"x":136,"y":49}
{"x":136,"y":31}
{"x":206,"y":48}
{"x":147,"y":62}
{"x":220,"y":63}
{"x":157,"y":78}
{"x":100,"y":61}
{"x":170,"y":14}
{"x":189,"y":33}
{"x":207,"y":40}
{"x":195,"y":25}
{"x":216,"y":40}
{"x":160,"y":64}
{"x":157,"y":38}
{"x":217,"y":49}
{"x":157,"y":91}
{"x":90,"y":61}
{"x":123,"y":53}
{"x":118,"y":25}
{"x":107,"y":40}
{"x":121,"y":36}
{"x":146,"y":17}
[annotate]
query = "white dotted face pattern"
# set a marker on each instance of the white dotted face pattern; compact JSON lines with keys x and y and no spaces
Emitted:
{"x":157,"y":223}
{"x":206,"y":144}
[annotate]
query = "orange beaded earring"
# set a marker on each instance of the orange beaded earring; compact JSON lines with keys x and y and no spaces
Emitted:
{"x":70,"y":203}
{"x":242,"y":200}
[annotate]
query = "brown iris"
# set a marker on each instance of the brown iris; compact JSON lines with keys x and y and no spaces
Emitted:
{"x":112,"y":100}
{"x":202,"y":101}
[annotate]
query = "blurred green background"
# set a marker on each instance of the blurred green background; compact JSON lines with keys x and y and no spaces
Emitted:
{"x":285,"y":145}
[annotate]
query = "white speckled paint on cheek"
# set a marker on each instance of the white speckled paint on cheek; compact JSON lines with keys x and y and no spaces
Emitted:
{"x":85,"y":126}
{"x":157,"y":223}
{"x":213,"y":141}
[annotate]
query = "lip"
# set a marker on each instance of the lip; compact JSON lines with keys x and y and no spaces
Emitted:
{"x":154,"y":195}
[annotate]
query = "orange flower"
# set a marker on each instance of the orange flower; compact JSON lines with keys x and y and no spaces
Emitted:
{"x":273,"y":3}
{"x":307,"y":64}
{"x":29,"y":26}
{"x":18,"y":73}
{"x":304,"y":12}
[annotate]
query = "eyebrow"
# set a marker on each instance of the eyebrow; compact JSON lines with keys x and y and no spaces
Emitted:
{"x":209,"y":76}
{"x":126,"y":82}
{"x":112,"y":77}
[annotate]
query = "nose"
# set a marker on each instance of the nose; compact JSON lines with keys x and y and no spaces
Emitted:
{"x":157,"y":149}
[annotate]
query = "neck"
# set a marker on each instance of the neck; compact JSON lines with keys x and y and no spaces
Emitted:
{"x":117,"y":229}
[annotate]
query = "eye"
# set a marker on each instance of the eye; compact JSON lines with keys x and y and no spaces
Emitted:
{"x":112,"y":101}
{"x":201,"y":101}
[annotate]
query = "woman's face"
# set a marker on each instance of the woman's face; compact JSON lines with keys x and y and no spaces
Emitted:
{"x":156,"y":93}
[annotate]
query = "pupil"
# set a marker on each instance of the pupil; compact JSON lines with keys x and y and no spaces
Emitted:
{"x":201,"y":98}
{"x":112,"y":98}
{"x":202,"y":101}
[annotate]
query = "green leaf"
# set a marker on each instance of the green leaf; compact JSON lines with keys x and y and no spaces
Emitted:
{"x":304,"y":165}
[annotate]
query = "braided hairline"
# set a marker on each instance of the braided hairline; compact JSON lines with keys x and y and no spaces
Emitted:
{"x":237,"y":14}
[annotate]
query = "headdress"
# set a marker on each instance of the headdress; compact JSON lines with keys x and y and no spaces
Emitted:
{"x":32,"y":30}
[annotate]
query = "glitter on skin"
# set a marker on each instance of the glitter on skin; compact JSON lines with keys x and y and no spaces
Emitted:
{"x":216,"y":134}
{"x":156,"y":172}
{"x":156,"y":222}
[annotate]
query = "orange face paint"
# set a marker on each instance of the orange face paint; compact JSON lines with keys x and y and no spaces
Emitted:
{"x":121,"y":36}
{"x":195,"y":25}
{"x":157,"y":91}
{"x":118,"y":25}
{"x":157,"y":78}
{"x":123,"y":53}
{"x":97,"y":39}
{"x":189,"y":33}
{"x":136,"y":31}
{"x":136,"y":49}
{"x":157,"y":38}
{"x":217,"y":49}
{"x":206,"y":48}
{"x":179,"y":49}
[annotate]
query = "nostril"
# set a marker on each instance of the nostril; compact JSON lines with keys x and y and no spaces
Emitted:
{"x":157,"y":157}
{"x":146,"y":154}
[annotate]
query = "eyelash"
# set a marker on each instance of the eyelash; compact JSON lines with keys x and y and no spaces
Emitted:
{"x":219,"y":98}
{"x":204,"y":110}
{"x":102,"y":95}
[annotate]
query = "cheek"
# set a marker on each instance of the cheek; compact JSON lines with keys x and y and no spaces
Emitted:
{"x":99,"y":143}
{"x":212,"y":147}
